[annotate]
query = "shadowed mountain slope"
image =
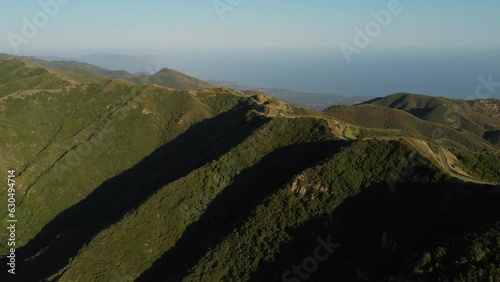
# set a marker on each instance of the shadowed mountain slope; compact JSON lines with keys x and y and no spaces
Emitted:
{"x":121,"y":181}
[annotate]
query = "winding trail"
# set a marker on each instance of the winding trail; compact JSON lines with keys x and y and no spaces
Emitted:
{"x":431,"y":155}
{"x":453,"y":173}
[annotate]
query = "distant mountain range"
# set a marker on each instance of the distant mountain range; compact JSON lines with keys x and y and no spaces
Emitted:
{"x":316,"y":101}
{"x":177,"y":80}
{"x":449,"y":74}
{"x":120,"y":62}
{"x":171,"y":78}
{"x":84,"y":72}
{"x":164,"y":177}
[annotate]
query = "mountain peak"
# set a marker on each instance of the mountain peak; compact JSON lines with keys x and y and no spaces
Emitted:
{"x":174,"y":79}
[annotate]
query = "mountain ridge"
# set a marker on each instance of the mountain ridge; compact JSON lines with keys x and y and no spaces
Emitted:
{"x":235,"y":186}
{"x":87,"y":73}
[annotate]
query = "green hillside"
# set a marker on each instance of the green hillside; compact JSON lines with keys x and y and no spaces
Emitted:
{"x":17,"y":75}
{"x":86,"y":73}
{"x":469,"y":154}
{"x":171,"y":79}
{"x":374,"y":116}
{"x":82,"y":72}
{"x":472,"y":256}
{"x":477,"y":116}
{"x":125,"y":181}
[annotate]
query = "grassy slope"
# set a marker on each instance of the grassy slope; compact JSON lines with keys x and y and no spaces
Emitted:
{"x":192,"y":196}
{"x":133,"y":126}
{"x":275,"y":223}
{"x":83,"y":133}
{"x":477,"y":117}
{"x":269,"y":225}
{"x":77,"y":71}
{"x":116,"y":161}
{"x":86,"y":73}
{"x":378,"y":117}
{"x":172,"y":79}
{"x":16,"y":75}
{"x":478,"y":157}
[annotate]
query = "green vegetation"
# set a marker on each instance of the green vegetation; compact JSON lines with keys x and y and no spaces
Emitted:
{"x":469,"y":257}
{"x":171,"y":79}
{"x":275,"y":222}
{"x":122,"y":181}
{"x":476,"y":117}
{"x":388,"y":119}
{"x":16,"y":75}
{"x":477,"y":156}
{"x":483,"y":165}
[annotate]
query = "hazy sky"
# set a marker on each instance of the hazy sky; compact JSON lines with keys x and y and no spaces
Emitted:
{"x":252,"y":24}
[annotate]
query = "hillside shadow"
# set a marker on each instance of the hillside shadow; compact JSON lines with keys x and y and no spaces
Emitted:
{"x":69,"y":231}
{"x":422,"y":113}
{"x":234,"y":204}
{"x":492,"y":136}
{"x":379,"y":232}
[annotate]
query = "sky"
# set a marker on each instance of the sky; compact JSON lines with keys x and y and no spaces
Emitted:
{"x":347,"y":47}
{"x":97,"y":25}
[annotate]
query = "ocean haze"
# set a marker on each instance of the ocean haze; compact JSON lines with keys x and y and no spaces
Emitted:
{"x":371,"y":73}
{"x":436,"y":48}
